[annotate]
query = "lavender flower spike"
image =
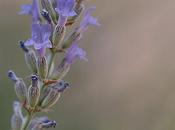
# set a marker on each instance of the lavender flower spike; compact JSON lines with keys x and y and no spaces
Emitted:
{"x":65,"y":10}
{"x":73,"y":53}
{"x":88,"y":20}
{"x":31,"y":10}
{"x":40,"y":38}
{"x":47,"y":80}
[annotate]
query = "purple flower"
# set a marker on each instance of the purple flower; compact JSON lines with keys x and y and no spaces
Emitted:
{"x":65,"y":7}
{"x":41,"y":123}
{"x":31,"y":10}
{"x":65,"y":10}
{"x":88,"y":20}
{"x":26,"y":9}
{"x":73,"y":53}
{"x":40,"y":38}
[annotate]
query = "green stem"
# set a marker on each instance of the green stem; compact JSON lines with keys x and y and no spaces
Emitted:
{"x":51,"y":62}
{"x":27,"y":121}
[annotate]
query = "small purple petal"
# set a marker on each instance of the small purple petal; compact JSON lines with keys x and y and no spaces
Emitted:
{"x":48,"y":44}
{"x":32,"y":10}
{"x":36,"y":11}
{"x":41,"y":34}
{"x":74,"y":52}
{"x":88,"y":20}
{"x":46,"y":31}
{"x":40,"y":37}
{"x":26,"y":9}
{"x":65,"y":7}
{"x":42,"y":52}
{"x":36,"y":33}
{"x":29,"y":42}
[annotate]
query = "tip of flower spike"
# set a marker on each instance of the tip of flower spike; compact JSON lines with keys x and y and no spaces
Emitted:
{"x":62,"y":85}
{"x":45,"y":14}
{"x":42,"y":122}
{"x":34,"y":78}
{"x":22,"y":45}
{"x":12,"y":76}
{"x":49,"y":123}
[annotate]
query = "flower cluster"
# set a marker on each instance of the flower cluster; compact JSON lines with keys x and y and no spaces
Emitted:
{"x":49,"y":21}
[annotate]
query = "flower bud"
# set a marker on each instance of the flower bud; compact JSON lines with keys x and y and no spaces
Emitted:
{"x":42,"y":123}
{"x":12,"y":76}
{"x":58,"y":35}
{"x":20,"y":87}
{"x":61,"y":71}
{"x":17,"y":118}
{"x":30,"y":58}
{"x":48,"y":123}
{"x":21,"y":90}
{"x":46,"y":16}
{"x":61,"y":86}
{"x":75,"y":36}
{"x":47,"y":5}
{"x":42,"y":67}
{"x":34,"y":91}
{"x":78,"y":9}
{"x":52,"y":96}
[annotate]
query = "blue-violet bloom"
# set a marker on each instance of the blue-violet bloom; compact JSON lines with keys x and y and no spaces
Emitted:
{"x":88,"y":20}
{"x":65,"y":9}
{"x":31,"y":10}
{"x":40,"y":38}
{"x":73,"y":53}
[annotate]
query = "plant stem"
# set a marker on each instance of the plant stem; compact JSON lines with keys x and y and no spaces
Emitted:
{"x":27,"y":121}
{"x":51,"y":62}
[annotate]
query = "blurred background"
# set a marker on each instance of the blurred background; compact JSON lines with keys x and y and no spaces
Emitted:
{"x":128,"y":82}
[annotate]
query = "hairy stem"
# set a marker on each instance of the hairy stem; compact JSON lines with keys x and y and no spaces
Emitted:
{"x":27,"y":121}
{"x":51,"y":62}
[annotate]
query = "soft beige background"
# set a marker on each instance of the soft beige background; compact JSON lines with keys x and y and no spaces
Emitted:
{"x":129,"y":81}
